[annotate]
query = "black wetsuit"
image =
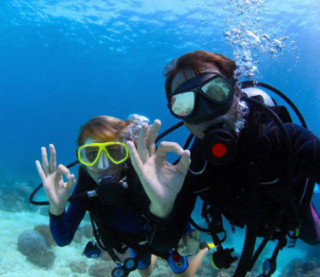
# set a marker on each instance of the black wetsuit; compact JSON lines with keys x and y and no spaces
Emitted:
{"x":249,"y":188}
{"x":126,"y":224}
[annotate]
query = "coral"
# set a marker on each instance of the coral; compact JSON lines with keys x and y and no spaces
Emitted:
{"x":313,"y":254}
{"x":105,"y":256}
{"x":163,"y":275}
{"x":230,"y":271}
{"x":33,"y":245}
{"x":298,"y":268}
{"x":44,"y":230}
{"x":14,"y":198}
{"x":101,"y":269}
{"x":30,"y":241}
{"x":44,"y":210}
{"x":204,"y":271}
{"x":78,"y":267}
{"x":223,"y":274}
{"x":86,"y":231}
{"x":43,"y":259}
{"x":78,"y":237}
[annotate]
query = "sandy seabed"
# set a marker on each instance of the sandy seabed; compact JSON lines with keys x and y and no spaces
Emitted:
{"x":15,"y":264}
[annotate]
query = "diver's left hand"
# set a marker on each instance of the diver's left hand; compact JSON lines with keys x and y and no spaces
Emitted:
{"x":162,"y":181}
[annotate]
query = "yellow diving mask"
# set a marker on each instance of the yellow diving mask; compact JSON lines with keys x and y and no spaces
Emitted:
{"x":116,"y":152}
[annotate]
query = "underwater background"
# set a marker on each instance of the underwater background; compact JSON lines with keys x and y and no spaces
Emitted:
{"x":63,"y":62}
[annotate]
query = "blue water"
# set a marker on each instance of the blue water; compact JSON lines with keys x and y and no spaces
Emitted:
{"x":62,"y":62}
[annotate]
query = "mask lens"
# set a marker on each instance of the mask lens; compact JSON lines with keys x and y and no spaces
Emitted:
{"x":182,"y":104}
{"x":89,"y":154}
{"x":117,"y":152}
{"x":217,"y":89}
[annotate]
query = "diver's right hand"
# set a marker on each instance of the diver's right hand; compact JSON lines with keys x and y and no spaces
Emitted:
{"x":57,"y":190}
{"x":161,"y":180}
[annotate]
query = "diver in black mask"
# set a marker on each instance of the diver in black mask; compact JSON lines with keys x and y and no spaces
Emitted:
{"x":209,"y":107}
{"x":204,"y":99}
{"x":249,"y":163}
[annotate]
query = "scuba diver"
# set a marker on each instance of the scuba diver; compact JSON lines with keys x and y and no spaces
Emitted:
{"x":249,"y":162}
{"x":121,"y":213}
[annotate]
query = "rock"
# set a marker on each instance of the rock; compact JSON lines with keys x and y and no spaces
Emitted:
{"x":30,"y":241}
{"x":33,"y":245}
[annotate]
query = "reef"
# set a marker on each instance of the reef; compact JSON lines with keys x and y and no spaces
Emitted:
{"x":101,"y":269}
{"x":15,"y":197}
{"x":86,"y":231}
{"x":78,"y":267}
{"x":303,"y":268}
{"x":34,"y":246}
{"x":44,"y":230}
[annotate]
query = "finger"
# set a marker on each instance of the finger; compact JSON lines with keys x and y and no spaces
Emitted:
{"x":57,"y":176}
{"x":53,"y":158}
{"x":71,"y":182}
{"x":45,"y":164}
{"x":40,"y":171}
{"x":63,"y":169}
{"x":143,"y":151}
{"x":135,"y":158}
{"x":152,"y":136}
{"x":184,"y":162}
{"x":70,"y":177}
{"x":166,"y":147}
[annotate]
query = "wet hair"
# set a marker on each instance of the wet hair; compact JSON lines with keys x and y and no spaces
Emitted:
{"x":104,"y":128}
{"x":197,"y":61}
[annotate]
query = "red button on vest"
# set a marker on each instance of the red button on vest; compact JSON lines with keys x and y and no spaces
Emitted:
{"x":176,"y":257}
{"x":219,"y":150}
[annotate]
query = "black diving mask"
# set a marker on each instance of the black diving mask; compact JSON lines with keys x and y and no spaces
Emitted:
{"x":202,"y":98}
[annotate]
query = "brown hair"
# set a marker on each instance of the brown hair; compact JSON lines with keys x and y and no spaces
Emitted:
{"x":197,"y":61}
{"x":105,"y":128}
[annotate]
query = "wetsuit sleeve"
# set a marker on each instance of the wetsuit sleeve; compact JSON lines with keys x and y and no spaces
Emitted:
{"x":63,"y":227}
{"x":307,"y":162}
{"x":306,"y":151}
{"x":167,"y":232}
